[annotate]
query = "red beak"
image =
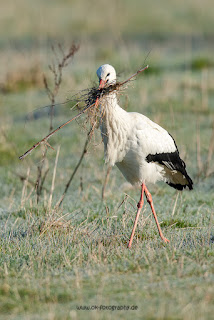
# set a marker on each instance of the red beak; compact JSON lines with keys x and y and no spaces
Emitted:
{"x":102,"y":83}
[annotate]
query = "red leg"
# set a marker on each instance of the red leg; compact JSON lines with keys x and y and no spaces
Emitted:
{"x":140,"y":205}
{"x":149,"y":200}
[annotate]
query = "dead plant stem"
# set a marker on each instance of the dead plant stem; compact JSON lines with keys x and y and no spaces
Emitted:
{"x":53,"y":179}
{"x":85,"y":148}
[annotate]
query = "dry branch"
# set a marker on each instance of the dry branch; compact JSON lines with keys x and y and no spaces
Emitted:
{"x":23,"y":178}
{"x":89,"y":135}
{"x":53,"y":179}
{"x":61,"y":61}
{"x":108,"y":171}
{"x":57,"y":69}
{"x":44,"y":140}
{"x":90,"y":97}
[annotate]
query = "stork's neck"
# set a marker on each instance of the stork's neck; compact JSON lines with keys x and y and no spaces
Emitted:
{"x":114,"y":128}
{"x":112,"y":114}
{"x":109,"y":103}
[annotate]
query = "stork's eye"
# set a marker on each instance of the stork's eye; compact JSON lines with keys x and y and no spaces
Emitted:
{"x":108,"y":75}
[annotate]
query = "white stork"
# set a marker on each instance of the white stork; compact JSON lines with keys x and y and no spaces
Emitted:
{"x":142,"y":150}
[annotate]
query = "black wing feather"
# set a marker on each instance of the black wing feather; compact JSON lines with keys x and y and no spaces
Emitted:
{"x":172,"y":161}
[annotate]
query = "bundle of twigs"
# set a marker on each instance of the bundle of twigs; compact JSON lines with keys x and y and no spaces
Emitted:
{"x":90,"y":99}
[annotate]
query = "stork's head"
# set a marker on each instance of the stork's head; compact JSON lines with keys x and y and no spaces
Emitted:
{"x":106,"y":74}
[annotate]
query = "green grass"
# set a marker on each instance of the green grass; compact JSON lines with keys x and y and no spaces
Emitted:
{"x":53,"y":262}
{"x":88,"y":264}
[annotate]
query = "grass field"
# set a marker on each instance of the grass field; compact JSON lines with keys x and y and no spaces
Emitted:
{"x":73,"y":262}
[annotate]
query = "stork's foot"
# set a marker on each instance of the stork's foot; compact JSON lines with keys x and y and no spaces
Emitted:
{"x":165,"y":240}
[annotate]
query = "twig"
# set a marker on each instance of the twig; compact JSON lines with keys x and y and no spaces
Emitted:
{"x":89,"y":135}
{"x":25,"y":188}
{"x":175,"y":204}
{"x":105,"y":182}
{"x":23,"y":178}
{"x":134,"y":75}
{"x":54,"y":131}
{"x":53,"y":179}
{"x":40,"y":177}
{"x":93,"y":96}
{"x":56,"y":69}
